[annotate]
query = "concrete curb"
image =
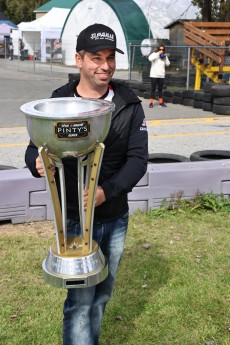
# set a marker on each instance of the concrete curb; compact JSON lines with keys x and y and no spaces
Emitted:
{"x":24,"y":198}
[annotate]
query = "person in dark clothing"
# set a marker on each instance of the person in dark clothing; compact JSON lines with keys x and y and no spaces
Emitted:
{"x":124,"y":163}
{"x":21,"y":48}
{"x":11,"y":50}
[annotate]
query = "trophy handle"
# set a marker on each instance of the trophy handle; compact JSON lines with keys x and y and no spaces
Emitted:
{"x":55,"y":200}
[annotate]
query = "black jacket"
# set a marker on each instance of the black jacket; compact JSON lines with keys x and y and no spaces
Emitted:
{"x":124,"y":160}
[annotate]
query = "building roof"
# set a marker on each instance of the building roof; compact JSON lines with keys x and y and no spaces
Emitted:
{"x":178,"y":21}
{"x":56,"y":3}
{"x":5,"y":20}
{"x":8,"y":22}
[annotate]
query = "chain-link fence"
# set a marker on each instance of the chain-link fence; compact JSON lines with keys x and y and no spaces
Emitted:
{"x":181,"y":71}
{"x":42,"y":57}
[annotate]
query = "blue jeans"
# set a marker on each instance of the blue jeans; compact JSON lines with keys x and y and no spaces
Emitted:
{"x":84,"y":307}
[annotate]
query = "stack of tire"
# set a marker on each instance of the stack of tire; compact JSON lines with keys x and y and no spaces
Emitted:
{"x":168,"y":96}
{"x":177,"y":97}
{"x":188,"y":98}
{"x":198,"y":99}
{"x":175,"y":80}
{"x":221,"y":99}
{"x":207,"y":104}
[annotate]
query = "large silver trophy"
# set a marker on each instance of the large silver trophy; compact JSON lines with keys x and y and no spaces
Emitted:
{"x":62,"y":127}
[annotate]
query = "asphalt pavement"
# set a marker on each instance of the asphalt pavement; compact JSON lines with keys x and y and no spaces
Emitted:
{"x":176,"y":129}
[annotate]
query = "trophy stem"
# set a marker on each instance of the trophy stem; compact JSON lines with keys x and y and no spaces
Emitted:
{"x":63,"y":200}
{"x":92,"y":177}
{"x":55,"y":200}
{"x":81,"y":165}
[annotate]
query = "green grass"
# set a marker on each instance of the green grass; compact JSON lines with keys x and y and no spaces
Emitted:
{"x":172,"y":288}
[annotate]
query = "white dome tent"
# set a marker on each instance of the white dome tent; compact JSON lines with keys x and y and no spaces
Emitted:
{"x":132,"y":20}
{"x":125,"y":18}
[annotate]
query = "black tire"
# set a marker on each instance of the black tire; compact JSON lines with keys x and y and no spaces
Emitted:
{"x":167,"y":99}
{"x":222,"y":100}
{"x":177,"y":100}
{"x":188,"y":102}
{"x":146,"y":94}
{"x":6,"y":167}
{"x":133,"y":84}
{"x":158,"y":158}
{"x":207,"y":106}
{"x":208,"y":97}
{"x":208,"y":86}
{"x":208,"y":155}
{"x":188,"y":94}
{"x":198,"y":104}
{"x":221,"y":109}
{"x":198,"y":95}
{"x":144,"y":87}
{"x":220,"y":90}
{"x":178,"y":93}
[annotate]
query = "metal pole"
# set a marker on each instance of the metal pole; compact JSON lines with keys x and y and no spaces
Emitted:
{"x":51,"y":56}
{"x":5,"y":49}
{"x":129,"y":76}
{"x":34,"y":57}
{"x":188,"y":68}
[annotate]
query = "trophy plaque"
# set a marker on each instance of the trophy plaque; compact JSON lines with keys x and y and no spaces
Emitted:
{"x":77,"y":127}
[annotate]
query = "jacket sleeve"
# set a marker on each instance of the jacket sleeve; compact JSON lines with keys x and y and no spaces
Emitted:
{"x":30,"y":158}
{"x":135,"y":165}
{"x":167,"y":62}
{"x":153,"y":56}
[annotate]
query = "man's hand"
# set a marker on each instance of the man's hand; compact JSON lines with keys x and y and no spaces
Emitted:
{"x":40,"y":169}
{"x":99,"y":198}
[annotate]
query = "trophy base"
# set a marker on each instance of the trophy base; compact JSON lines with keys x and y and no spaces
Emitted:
{"x":70,"y":271}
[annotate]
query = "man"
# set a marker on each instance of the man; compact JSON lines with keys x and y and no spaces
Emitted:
{"x":157,"y":74}
{"x":21,"y":48}
{"x":124,"y":163}
{"x":11,"y":50}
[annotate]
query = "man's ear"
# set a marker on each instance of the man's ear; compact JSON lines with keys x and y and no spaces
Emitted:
{"x":78,"y":60}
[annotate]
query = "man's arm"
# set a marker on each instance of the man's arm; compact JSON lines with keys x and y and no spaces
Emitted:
{"x":136,"y":159}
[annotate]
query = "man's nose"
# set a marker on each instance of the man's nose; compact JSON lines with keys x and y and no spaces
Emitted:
{"x":105,"y":65}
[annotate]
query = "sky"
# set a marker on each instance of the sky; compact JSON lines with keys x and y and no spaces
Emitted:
{"x":160,"y":13}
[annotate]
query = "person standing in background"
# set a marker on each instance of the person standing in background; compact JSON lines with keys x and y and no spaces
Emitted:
{"x":159,"y":61}
{"x":11,"y":50}
{"x":21,"y":48}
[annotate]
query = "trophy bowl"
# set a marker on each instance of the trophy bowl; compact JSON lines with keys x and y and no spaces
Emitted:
{"x":68,"y":126}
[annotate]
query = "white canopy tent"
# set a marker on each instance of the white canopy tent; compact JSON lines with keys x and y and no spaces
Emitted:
{"x":5,"y":29}
{"x":35,"y":33}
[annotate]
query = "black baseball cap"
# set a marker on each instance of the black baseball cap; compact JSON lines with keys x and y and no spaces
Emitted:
{"x":97,"y":37}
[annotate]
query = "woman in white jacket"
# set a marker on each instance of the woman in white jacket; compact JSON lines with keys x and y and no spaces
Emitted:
{"x":159,"y":61}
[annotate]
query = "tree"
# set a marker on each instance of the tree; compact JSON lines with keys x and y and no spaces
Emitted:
{"x":2,"y":6}
{"x":213,"y":10}
{"x":20,"y":10}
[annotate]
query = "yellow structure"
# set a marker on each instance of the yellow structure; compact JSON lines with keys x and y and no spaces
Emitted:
{"x":210,"y":42}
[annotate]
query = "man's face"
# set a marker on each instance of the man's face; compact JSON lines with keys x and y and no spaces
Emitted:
{"x":97,"y":68}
